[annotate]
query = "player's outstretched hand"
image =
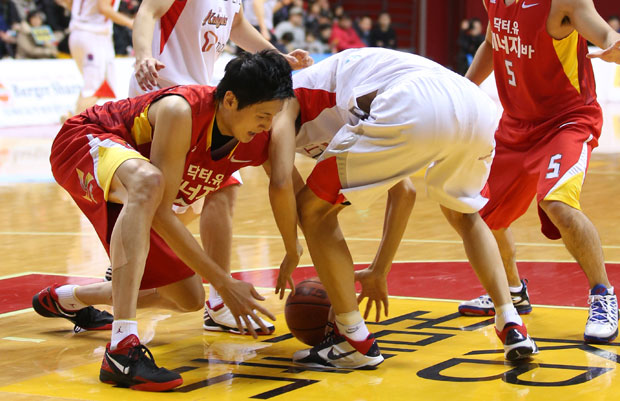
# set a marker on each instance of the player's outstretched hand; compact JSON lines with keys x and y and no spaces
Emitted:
{"x":289,"y":264}
{"x":241,"y":298}
{"x":299,"y":59}
{"x":611,"y":54}
{"x":146,"y":72}
{"x":374,"y":287}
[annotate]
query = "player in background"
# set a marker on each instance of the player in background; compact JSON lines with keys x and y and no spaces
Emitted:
{"x":402,"y":113}
{"x":551,"y":123}
{"x":92,"y":48}
{"x":177,"y":43}
{"x":127,"y":163}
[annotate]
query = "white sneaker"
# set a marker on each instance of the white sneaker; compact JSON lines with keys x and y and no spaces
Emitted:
{"x":602,"y":324}
{"x":517,"y":343}
{"x":483,"y":305}
{"x":220,"y":319}
{"x":335,"y":351}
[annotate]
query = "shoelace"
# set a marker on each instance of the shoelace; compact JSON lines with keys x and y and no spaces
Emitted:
{"x":601,"y":306}
{"x":140,"y":352}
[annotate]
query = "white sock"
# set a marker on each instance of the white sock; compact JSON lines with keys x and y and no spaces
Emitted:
{"x":352,"y":325}
{"x":610,"y":290}
{"x":214,"y":297}
{"x":506,"y":313}
{"x":122,"y":329}
{"x":67,"y":298}
{"x":516,"y":289}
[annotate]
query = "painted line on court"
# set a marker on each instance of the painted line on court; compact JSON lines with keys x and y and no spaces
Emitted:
{"x":22,"y":339}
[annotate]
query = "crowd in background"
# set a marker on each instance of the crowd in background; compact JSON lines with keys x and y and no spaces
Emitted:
{"x":39,"y":28}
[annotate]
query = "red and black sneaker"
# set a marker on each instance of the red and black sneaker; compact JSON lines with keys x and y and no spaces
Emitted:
{"x":132,"y":365}
{"x":45,"y":303}
{"x":517,"y":343}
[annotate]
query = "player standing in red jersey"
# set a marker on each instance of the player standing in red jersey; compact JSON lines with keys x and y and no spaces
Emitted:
{"x":127,"y":163}
{"x":551,"y":122}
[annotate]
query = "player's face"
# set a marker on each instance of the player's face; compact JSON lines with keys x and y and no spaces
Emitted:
{"x":253,"y":119}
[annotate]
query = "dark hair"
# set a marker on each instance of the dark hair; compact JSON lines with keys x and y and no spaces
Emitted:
{"x":256,"y":77}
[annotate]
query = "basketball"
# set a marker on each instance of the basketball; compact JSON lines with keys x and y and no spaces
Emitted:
{"x":307,"y":311}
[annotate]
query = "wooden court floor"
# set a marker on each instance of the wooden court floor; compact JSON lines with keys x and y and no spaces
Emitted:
{"x":432,"y":352}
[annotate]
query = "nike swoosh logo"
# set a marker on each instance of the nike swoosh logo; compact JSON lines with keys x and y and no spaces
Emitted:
{"x":334,"y":357}
{"x":124,"y":369}
{"x":528,"y":5}
{"x":235,"y":160}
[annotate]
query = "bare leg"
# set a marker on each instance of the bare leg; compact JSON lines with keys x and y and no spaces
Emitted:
{"x":139,"y":186}
{"x":183,"y":296}
{"x":482,"y":252}
{"x":328,"y":249}
{"x":580,"y":238}
{"x":508,"y":252}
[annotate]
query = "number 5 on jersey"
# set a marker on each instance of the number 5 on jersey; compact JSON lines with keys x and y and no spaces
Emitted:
{"x":512,"y":81}
{"x":554,"y":166}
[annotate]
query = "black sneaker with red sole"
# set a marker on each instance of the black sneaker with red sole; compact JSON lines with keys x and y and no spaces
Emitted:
{"x":45,"y":303}
{"x":132,"y":365}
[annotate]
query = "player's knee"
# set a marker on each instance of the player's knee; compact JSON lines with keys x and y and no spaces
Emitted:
{"x":194,"y":301}
{"x":147,"y":186}
{"x":562,"y":215}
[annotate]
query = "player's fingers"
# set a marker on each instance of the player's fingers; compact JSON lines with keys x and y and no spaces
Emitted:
{"x":239,"y":325}
{"x":260,"y":323}
{"x":360,"y":298}
{"x":291,"y":283}
{"x":249,"y":326}
{"x":368,"y":307}
{"x":386,"y":304}
{"x":255,"y":294}
{"x":378,"y":306}
{"x":264,"y":311}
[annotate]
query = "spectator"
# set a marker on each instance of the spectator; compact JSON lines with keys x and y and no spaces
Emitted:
{"x":383,"y":35}
{"x":363,"y":29}
{"x":314,"y":45}
{"x":313,"y":18}
{"x":282,"y":12}
{"x":123,"y":44}
{"x":23,"y":7}
{"x":9,"y":24}
{"x":57,"y":16}
{"x":338,"y":12}
{"x":325,"y":32}
{"x":344,"y":36}
{"x":326,"y":11}
{"x":614,"y":23}
{"x":294,"y":25}
{"x":470,"y":38}
{"x":35,"y":40}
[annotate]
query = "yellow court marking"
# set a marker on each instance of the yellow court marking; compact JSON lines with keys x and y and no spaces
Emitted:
{"x":431,"y":352}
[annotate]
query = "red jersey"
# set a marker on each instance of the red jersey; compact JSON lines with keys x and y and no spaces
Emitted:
{"x":128,"y":119}
{"x":537,"y":76}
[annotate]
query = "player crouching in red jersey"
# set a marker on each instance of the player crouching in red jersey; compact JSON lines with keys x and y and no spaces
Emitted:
{"x":127,"y":163}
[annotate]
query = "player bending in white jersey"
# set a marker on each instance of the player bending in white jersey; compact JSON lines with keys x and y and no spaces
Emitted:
{"x":402,"y":113}
{"x":177,"y":42}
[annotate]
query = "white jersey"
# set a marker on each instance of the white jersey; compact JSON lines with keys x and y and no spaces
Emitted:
{"x":189,"y":37}
{"x":85,"y":16}
{"x":422,"y":115}
{"x":250,"y":15}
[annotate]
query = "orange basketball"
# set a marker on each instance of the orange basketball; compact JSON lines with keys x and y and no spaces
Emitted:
{"x":307,"y":311}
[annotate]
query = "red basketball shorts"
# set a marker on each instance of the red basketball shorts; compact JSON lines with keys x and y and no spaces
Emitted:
{"x":551,"y":168}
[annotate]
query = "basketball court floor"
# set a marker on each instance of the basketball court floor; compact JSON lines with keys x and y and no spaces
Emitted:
{"x":431,"y":352}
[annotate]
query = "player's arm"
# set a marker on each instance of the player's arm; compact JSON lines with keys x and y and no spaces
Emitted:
{"x":171,"y":117}
{"x":250,"y":40}
{"x":587,"y":21}
{"x":105,"y":8}
{"x":482,"y":64}
{"x":259,"y":10}
{"x":281,"y":189}
{"x":401,"y":198}
{"x":146,"y":66}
